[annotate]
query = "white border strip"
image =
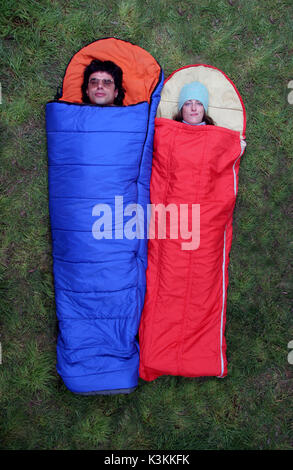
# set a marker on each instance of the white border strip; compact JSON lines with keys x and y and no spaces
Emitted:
{"x":243,"y":145}
{"x":223,"y":304}
{"x":235,"y":186}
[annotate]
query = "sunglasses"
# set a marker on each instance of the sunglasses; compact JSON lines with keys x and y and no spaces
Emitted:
{"x":106,"y":82}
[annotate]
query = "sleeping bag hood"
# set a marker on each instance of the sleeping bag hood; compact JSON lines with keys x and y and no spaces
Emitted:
{"x":195,"y":180}
{"x":99,"y":164}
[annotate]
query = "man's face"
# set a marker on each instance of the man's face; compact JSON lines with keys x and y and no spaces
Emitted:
{"x":101,"y":89}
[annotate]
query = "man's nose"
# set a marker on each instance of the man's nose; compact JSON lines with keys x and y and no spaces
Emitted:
{"x":100,"y":83}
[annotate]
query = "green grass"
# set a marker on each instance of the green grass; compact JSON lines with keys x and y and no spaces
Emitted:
{"x":249,"y":409}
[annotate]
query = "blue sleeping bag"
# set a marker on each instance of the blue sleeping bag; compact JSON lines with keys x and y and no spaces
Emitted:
{"x":99,"y":163}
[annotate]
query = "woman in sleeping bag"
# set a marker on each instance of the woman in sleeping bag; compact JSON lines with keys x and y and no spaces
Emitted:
{"x":199,"y":139}
{"x":99,"y":164}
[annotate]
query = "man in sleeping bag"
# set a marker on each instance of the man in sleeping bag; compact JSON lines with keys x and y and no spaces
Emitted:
{"x":102,"y":84}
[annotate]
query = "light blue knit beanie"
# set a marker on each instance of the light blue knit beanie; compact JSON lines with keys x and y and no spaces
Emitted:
{"x":194,"y":91}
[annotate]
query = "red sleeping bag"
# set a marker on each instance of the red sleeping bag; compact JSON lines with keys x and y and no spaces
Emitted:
{"x":194,"y":167}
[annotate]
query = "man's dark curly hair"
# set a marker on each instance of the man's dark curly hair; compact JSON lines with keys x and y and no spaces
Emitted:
{"x":104,"y":66}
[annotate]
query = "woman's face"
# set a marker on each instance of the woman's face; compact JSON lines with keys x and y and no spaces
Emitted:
{"x":101,"y":89}
{"x":192,"y":112}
